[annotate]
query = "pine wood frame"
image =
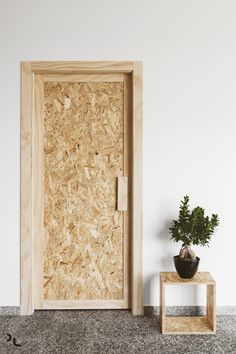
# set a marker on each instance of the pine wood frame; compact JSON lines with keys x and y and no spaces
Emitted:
{"x":28,"y":71}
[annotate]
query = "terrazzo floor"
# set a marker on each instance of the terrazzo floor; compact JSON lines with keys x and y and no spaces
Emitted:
{"x":107,"y":332}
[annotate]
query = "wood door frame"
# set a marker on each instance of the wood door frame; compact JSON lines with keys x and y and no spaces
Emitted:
{"x":28,"y":71}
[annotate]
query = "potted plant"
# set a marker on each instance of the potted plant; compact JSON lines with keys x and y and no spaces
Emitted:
{"x":191,"y":228}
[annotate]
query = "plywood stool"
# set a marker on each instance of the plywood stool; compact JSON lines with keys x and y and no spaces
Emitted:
{"x":189,"y":325}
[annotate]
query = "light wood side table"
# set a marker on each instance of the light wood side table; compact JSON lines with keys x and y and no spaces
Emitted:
{"x":189,"y":324}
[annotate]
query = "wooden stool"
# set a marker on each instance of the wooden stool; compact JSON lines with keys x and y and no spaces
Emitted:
{"x":189,"y":325}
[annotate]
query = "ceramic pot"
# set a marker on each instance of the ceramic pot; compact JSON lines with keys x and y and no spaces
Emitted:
{"x":186,"y":269}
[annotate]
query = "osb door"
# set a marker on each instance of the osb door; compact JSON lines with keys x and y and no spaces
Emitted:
{"x":82,"y":133}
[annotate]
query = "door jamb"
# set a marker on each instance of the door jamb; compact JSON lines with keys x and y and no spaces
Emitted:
{"x":28,"y":71}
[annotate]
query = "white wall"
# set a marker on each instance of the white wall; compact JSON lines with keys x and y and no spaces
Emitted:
{"x":188,"y":49}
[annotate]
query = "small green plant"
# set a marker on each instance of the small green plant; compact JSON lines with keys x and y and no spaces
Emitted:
{"x":192,"y":228}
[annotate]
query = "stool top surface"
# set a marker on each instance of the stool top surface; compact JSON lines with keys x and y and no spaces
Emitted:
{"x":174,"y":278}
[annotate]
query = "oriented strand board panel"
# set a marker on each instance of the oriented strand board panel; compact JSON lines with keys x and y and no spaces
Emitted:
{"x":199,"y":278}
{"x":83,"y":156}
{"x":187,"y":325}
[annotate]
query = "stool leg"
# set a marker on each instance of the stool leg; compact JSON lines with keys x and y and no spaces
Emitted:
{"x":211,"y":306}
{"x":162,"y":306}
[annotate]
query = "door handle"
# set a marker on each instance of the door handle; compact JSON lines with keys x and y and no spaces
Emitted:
{"x":122,"y":193}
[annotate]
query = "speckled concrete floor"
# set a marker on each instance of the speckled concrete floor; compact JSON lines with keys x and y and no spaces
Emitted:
{"x":107,"y":332}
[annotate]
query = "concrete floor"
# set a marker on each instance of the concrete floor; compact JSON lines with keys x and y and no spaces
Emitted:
{"x":107,"y":332}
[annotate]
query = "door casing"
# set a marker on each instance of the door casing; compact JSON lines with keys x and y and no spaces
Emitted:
{"x":27,"y":212}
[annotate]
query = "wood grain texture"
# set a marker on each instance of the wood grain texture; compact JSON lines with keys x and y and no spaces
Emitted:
{"x":162,"y":306}
{"x":199,"y":278}
{"x":211,"y":306}
{"x":128,"y":151}
{"x":188,"y":325}
{"x":27,"y":194}
{"x":38,"y":188}
{"x":122,"y":193}
{"x":81,"y":66}
{"x":81,"y":304}
{"x":94,"y":77}
{"x":137,"y":226}
{"x":26,"y":272}
{"x":84,"y":148}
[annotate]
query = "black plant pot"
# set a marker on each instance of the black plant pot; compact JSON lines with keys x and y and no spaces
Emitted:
{"x":186,"y":269}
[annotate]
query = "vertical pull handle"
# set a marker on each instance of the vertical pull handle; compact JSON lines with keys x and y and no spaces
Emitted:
{"x":122,"y":193}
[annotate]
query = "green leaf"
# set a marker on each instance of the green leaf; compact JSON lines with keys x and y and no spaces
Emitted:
{"x":193,"y":227}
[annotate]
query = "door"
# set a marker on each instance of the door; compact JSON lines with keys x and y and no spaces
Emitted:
{"x":83,"y":190}
{"x":81,"y":185}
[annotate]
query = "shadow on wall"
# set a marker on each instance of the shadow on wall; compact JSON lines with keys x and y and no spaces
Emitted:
{"x":165,"y":260}
{"x":151,"y":289}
